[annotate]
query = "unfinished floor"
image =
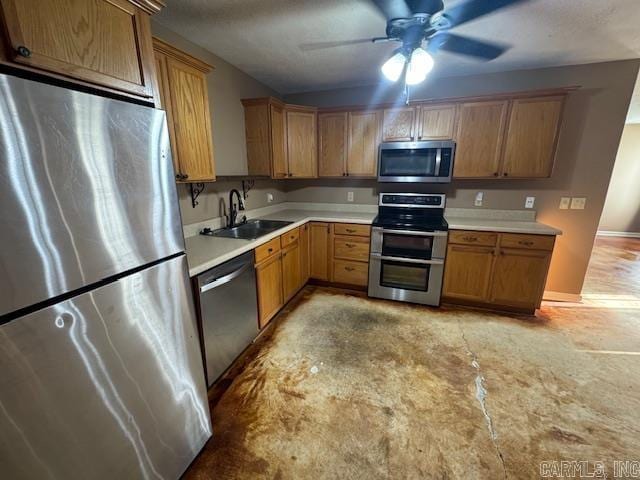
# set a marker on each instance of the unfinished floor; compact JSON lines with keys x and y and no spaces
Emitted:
{"x":347,"y":387}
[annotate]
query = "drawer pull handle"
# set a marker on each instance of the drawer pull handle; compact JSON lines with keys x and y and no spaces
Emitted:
{"x":349,"y":269}
{"x":350,"y":230}
{"x":528,"y":243}
{"x":23,"y":51}
{"x":270,"y":250}
{"x":470,"y":239}
{"x":349,"y":245}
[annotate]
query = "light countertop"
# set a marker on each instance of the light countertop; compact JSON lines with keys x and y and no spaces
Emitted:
{"x":503,"y":226}
{"x":205,"y":252}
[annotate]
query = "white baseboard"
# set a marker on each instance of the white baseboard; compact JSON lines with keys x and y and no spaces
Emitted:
{"x":561,"y":297}
{"x":610,"y":233}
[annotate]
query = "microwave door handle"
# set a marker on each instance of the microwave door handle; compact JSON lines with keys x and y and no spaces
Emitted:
{"x":415,"y":234}
{"x":438,"y":162}
{"x":407,"y":260}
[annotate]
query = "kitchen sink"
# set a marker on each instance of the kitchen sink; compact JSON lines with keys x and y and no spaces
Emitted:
{"x":250,"y":230}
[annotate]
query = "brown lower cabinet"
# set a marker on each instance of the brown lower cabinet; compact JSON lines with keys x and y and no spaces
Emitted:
{"x":317,"y":250}
{"x":498,"y":270}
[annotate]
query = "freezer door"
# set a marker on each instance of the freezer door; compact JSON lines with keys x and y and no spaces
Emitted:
{"x":87,"y":190}
{"x":106,"y":385}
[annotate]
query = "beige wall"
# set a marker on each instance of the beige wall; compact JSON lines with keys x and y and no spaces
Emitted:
{"x":227,"y":85}
{"x":593,"y":123}
{"x":622,"y":208}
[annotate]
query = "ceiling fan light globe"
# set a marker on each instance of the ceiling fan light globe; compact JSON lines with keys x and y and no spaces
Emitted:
{"x":419,"y":66}
{"x":392,"y":68}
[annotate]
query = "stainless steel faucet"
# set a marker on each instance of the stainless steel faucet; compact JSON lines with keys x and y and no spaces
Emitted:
{"x":233,"y":211}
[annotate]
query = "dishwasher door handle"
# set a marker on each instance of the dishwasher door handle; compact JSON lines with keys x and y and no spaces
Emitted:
{"x":225,"y":279}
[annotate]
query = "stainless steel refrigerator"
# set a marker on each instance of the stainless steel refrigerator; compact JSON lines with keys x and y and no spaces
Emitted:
{"x":101,"y":375}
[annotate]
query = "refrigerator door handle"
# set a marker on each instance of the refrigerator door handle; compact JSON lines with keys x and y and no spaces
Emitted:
{"x":225,"y":279}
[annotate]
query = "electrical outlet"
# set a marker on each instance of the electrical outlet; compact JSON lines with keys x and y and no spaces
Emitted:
{"x":349,"y":196}
{"x":528,"y":203}
{"x":578,"y":203}
{"x":479,"y":199}
{"x":564,"y":203}
{"x":269,"y":197}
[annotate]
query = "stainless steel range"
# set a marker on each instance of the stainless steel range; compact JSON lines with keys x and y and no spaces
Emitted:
{"x":408,"y":248}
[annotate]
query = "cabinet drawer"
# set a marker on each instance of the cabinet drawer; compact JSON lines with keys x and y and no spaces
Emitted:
{"x":352,"y":229}
{"x":350,"y":273}
{"x":463,"y":237}
{"x":533,"y":242}
{"x":351,"y":248}
{"x":266,"y":250}
{"x":290,"y":237}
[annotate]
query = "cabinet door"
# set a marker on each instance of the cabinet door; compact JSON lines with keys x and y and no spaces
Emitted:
{"x":319,"y":254}
{"x":104,"y":42}
{"x":398,"y":124}
{"x":479,"y":138}
{"x":304,"y":254}
{"x":278,"y":142}
{"x":301,"y":144}
{"x":531,"y":137}
{"x":191,"y":120}
{"x":468,"y":272}
{"x":364,"y":140}
{"x":519,"y":277}
{"x":164,"y":96}
{"x":269,"y":281}
{"x":257,"y":133}
{"x":332,"y":139}
{"x":291,"y":270}
{"x":436,"y":122}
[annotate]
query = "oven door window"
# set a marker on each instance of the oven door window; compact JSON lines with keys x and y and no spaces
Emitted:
{"x":408,"y":163}
{"x":407,"y":246}
{"x":407,"y":276}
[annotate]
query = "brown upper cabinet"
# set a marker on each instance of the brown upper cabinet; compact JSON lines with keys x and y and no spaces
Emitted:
{"x":183,"y":94}
{"x":333,"y":135}
{"x":348,"y":143}
{"x":281,"y":139}
{"x":105,"y":44}
{"x":363,"y":142}
{"x":436,"y":122}
{"x":514,"y":138}
{"x":302,"y":160}
{"x":531,"y":137}
{"x":399,"y":124}
{"x":479,"y":139}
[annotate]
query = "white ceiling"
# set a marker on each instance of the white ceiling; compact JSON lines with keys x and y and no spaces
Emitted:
{"x":266,"y":38}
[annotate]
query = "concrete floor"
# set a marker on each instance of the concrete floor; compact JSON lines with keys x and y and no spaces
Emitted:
{"x":346,"y":387}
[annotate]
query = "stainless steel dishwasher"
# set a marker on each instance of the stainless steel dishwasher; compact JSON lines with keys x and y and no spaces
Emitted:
{"x":228,"y":311}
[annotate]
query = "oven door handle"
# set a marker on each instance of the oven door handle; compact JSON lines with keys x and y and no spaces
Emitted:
{"x":407,"y":260}
{"x":413,"y":233}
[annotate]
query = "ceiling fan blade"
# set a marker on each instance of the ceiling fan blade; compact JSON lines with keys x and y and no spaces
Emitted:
{"x":466,"y":46}
{"x":394,"y":8}
{"x":472,"y":9}
{"x":306,"y":47}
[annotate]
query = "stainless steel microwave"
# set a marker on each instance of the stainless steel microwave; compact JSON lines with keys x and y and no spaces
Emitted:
{"x":428,"y":161}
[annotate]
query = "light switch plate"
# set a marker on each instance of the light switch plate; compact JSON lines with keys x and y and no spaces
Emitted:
{"x":528,"y":203}
{"x":269,"y":197}
{"x":564,"y":203}
{"x":578,"y":203}
{"x":479,"y":198}
{"x":349,"y":196}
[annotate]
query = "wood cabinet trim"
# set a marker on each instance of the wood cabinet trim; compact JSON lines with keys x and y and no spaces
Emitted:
{"x":173,"y":52}
{"x":149,"y":6}
{"x":475,"y":98}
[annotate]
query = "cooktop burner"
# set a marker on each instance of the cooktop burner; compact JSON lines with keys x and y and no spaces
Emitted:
{"x":411,"y":211}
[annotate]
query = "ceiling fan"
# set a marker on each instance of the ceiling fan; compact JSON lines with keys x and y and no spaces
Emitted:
{"x":415,"y":23}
